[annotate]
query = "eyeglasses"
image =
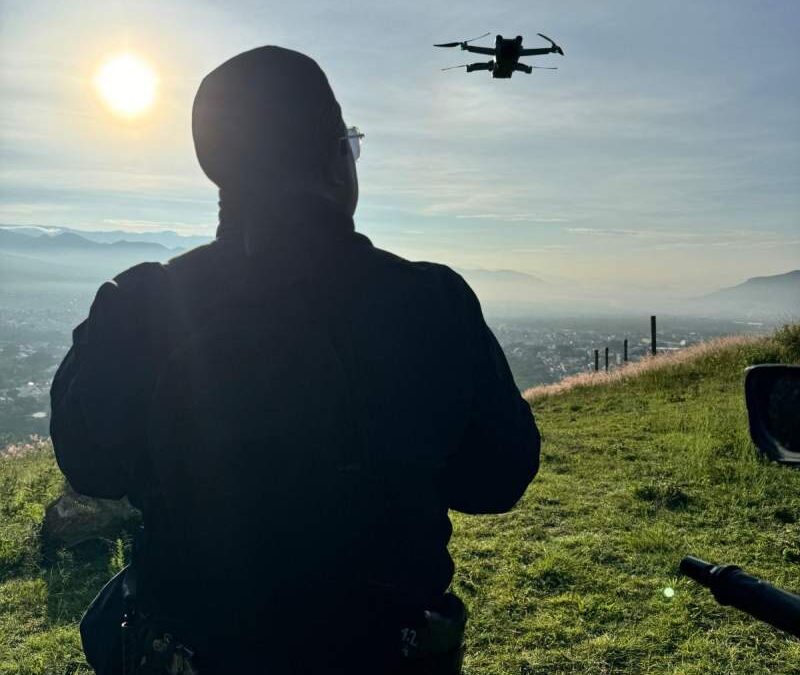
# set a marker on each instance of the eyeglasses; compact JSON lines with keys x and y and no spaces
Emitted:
{"x":353,"y":138}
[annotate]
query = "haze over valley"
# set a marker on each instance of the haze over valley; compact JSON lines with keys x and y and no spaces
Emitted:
{"x":548,"y":329}
{"x":655,"y":172}
{"x":58,"y":260}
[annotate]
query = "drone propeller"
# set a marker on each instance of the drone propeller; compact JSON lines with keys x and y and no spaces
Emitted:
{"x":545,"y":67}
{"x":556,"y":48}
{"x":463,"y":65}
{"x":461,"y":42}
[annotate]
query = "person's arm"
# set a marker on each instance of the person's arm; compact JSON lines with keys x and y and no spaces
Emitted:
{"x":499,"y":453}
{"x":100,"y":395}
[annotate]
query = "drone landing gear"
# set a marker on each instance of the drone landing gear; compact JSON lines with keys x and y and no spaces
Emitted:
{"x":522,"y":67}
{"x":472,"y":67}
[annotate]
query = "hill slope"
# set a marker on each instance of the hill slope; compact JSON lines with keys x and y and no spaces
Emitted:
{"x":772,"y":296}
{"x":636,"y":472}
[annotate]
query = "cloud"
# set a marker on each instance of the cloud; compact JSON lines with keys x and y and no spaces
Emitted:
{"x":512,"y":217}
{"x":647,"y":233}
{"x":656,"y":240}
{"x":11,"y":210}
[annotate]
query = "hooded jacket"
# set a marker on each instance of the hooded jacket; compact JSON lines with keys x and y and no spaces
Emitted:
{"x":431,"y":396}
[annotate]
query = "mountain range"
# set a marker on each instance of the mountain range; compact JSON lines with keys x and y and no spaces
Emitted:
{"x":12,"y":241}
{"x":35,"y":258}
{"x":166,"y":238}
{"x":65,"y":261}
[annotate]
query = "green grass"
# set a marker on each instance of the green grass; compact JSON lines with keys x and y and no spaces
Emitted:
{"x":636,"y":473}
{"x":39,"y":603}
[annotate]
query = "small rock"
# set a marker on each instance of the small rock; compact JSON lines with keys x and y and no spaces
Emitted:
{"x":72,"y":519}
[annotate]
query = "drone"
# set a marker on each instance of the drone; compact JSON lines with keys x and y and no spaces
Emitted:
{"x":507,"y":53}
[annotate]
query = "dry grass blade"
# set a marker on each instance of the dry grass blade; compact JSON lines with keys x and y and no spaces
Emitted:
{"x":636,"y":368}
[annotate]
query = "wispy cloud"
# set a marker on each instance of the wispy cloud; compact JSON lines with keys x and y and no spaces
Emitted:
{"x":643,"y":233}
{"x":512,"y":217}
{"x":660,"y":239}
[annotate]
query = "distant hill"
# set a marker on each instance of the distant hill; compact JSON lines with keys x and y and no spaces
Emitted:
{"x":479,"y":275}
{"x":503,"y":286}
{"x":776,"y":296}
{"x":166,"y":238}
{"x":12,"y":241}
{"x":67,"y":261}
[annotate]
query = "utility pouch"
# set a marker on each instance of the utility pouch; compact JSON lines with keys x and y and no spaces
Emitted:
{"x":121,"y":639}
{"x":160,"y":653}
{"x":149,"y":645}
{"x":434,"y":644}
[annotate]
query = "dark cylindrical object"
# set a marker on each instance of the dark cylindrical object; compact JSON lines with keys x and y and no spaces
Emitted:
{"x":731,"y":586}
{"x":653,"y":334}
{"x":696,"y":569}
{"x":596,"y":360}
{"x":625,"y":351}
{"x":606,"y":359}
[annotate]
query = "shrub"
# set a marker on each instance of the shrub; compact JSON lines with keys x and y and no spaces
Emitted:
{"x":788,"y":339}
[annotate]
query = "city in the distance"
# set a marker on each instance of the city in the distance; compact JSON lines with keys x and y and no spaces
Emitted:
{"x":48,"y":277}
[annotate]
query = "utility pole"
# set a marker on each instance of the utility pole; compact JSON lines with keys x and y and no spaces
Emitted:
{"x":606,"y":359}
{"x":625,"y":351}
{"x":596,"y":360}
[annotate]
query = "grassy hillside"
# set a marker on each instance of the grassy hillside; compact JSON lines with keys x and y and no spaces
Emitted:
{"x":637,"y":471}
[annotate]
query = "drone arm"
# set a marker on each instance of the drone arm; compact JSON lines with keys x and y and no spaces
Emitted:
{"x":478,"y":50}
{"x":472,"y":67}
{"x":536,"y":52}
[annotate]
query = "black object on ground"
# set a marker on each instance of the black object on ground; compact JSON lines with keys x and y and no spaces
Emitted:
{"x":772,"y":392}
{"x":732,"y":586}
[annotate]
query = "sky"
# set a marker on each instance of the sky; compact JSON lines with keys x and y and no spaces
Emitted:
{"x":663,"y":156}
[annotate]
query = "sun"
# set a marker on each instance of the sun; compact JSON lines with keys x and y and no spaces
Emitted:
{"x":127,"y":85}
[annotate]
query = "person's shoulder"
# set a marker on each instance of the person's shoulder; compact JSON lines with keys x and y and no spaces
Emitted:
{"x":126,"y":296}
{"x":424,"y":270}
{"x":431,"y":282}
{"x":203,"y":267}
{"x":150,"y":277}
{"x":138,"y":274}
{"x":199,"y":256}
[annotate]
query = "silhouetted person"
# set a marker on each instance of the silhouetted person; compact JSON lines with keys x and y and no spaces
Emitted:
{"x":294,"y":410}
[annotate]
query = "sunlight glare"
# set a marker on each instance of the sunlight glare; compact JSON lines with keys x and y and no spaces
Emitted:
{"x":127,"y":85}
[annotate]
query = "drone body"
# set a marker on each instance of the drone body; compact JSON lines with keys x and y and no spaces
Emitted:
{"x":506,"y":53}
